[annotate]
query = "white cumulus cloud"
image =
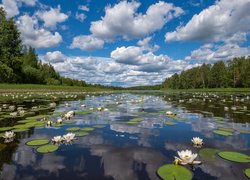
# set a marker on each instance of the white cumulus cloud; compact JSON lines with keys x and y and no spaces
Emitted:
{"x":87,"y":43}
{"x":123,"y":20}
{"x":36,"y":36}
{"x":52,"y":17}
{"x":218,"y":22}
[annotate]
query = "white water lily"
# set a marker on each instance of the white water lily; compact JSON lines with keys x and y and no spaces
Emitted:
{"x":57,"y":139}
{"x":69,"y":115}
{"x":99,"y":108}
{"x":49,"y":123}
{"x":69,"y":137}
{"x":13,"y":114}
{"x":59,"y":121}
{"x":186,"y":157}
{"x":226,"y":108}
{"x":9,"y":135}
{"x":169,"y":113}
{"x":198,"y":142}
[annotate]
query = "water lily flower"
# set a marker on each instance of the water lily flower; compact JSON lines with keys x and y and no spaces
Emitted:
{"x":57,"y":139}
{"x":83,"y":105}
{"x":59,"y":121}
{"x":169,"y":113}
{"x":186,"y":157}
{"x":197,"y":142}
{"x":9,"y":135}
{"x":99,"y":108}
{"x":13,"y":114}
{"x":69,"y":137}
{"x":49,"y":123}
{"x":69,"y":114}
{"x":226,"y":108}
{"x":233,"y":108}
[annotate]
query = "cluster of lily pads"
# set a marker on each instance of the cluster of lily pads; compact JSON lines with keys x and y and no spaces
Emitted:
{"x":187,"y":157}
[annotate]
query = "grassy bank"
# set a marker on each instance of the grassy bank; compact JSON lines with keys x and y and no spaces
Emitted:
{"x":36,"y":87}
{"x":209,"y":90}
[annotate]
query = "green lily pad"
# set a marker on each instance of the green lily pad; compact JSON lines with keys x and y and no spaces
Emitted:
{"x":208,"y":154}
{"x":37,"y":142}
{"x":83,"y":112}
{"x":169,"y":123}
{"x":243,"y":131}
{"x":226,"y":129}
{"x":2,"y":146}
{"x":234,"y":156}
{"x":247,"y":172}
{"x":223,"y":133}
{"x":73,"y":129}
{"x":87,"y":129}
{"x":99,"y":126}
{"x":20,"y":130}
{"x":80,"y":134}
{"x":5,"y":128}
{"x":174,"y":172}
{"x":220,"y":121}
{"x":132,"y":122}
{"x":47,"y":148}
{"x":69,"y":122}
{"x":136,"y":119}
{"x":27,"y":121}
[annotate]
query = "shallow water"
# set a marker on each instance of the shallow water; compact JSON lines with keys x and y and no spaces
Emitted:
{"x":134,"y":151}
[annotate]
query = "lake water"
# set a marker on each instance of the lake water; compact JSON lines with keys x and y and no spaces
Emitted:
{"x":129,"y":151}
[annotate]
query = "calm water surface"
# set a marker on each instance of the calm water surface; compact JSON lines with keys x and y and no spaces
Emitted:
{"x":128,"y":152}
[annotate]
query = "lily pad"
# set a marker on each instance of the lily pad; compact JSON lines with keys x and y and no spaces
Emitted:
{"x":220,"y":121}
{"x":73,"y":129}
{"x":80,"y":134}
{"x":99,"y":126}
{"x":27,"y":121}
{"x":87,"y":129}
{"x":247,"y":172}
{"x":132,"y":122}
{"x":5,"y":128}
{"x":69,"y":122}
{"x":37,"y":142}
{"x":226,"y":129}
{"x":83,"y":112}
{"x":169,"y":123}
{"x":208,"y":154}
{"x":243,"y":131}
{"x":223,"y":133}
{"x":20,"y":130}
{"x":47,"y":148}
{"x":234,"y":156}
{"x":136,"y":119}
{"x":174,"y":172}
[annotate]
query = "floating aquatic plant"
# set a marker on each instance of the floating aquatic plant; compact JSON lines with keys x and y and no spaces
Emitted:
{"x":87,"y":129}
{"x":80,"y":134}
{"x":197,"y":142}
{"x":186,"y":157}
{"x":37,"y":142}
{"x":223,"y":133}
{"x":73,"y":129}
{"x":234,"y":156}
{"x":174,"y":172}
{"x":47,"y":148}
{"x":208,"y":154}
{"x":247,"y":172}
{"x":169,"y":123}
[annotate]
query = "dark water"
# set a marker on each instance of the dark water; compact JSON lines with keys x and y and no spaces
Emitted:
{"x":127,"y":152}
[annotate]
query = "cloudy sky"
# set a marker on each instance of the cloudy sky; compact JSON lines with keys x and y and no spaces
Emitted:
{"x":130,"y":43}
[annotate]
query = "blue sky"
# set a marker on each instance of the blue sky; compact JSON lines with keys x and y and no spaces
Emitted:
{"x":130,"y":43}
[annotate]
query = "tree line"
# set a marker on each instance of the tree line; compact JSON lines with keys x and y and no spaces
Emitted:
{"x":20,"y":64}
{"x":234,"y":73}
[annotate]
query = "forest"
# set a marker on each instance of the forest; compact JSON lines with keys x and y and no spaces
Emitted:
{"x":234,"y":73}
{"x":20,"y":64}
